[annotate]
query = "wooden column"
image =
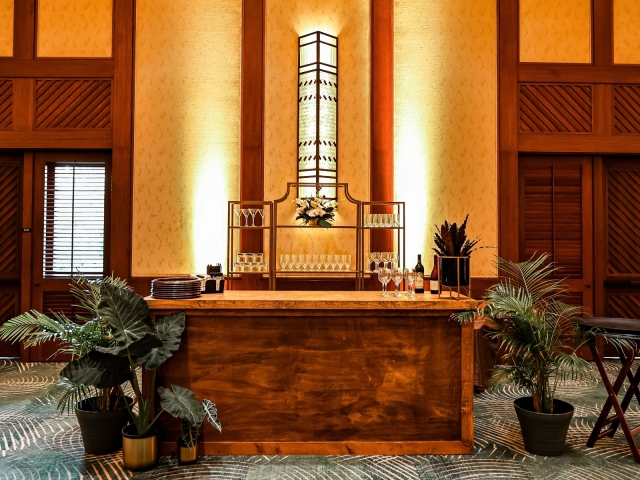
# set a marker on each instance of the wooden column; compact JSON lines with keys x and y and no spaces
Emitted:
{"x":381,"y":171}
{"x":252,"y":122}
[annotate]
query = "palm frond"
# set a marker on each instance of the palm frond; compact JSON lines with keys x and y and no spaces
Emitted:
{"x":69,"y":394}
{"x":34,"y":328}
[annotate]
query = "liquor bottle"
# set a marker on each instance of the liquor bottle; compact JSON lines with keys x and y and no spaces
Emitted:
{"x":433,"y":278}
{"x":419,"y":276}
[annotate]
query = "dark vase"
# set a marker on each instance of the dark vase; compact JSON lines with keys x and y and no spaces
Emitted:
{"x":543,"y":433}
{"x":449,"y":271}
{"x":101,"y":431}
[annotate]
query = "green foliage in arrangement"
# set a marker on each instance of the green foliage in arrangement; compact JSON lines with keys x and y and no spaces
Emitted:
{"x":526,"y":314}
{"x":182,"y":403}
{"x":452,"y":241}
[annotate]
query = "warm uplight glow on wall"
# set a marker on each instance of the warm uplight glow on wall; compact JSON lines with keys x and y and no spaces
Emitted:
{"x":187,"y":133}
{"x":445,"y":121}
{"x":75,"y":28}
{"x":6,"y":28}
{"x":626,"y":41}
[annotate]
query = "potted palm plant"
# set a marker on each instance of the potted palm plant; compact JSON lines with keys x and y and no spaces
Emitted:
{"x":454,"y":248}
{"x":526,"y":314}
{"x":101,"y":409}
{"x":137,"y":343}
{"x":182,"y":403}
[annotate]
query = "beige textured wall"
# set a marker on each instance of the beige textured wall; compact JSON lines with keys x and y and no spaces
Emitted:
{"x":445,"y":121}
{"x":626,"y":39}
{"x":187,"y":114}
{"x":555,"y":31}
{"x":285,"y":22}
{"x":6,"y":28}
{"x":75,"y":28}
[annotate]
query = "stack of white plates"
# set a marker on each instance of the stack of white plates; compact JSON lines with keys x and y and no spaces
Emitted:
{"x":174,"y":288}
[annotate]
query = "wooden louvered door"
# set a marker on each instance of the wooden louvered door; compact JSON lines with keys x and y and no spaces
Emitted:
{"x":618,"y":237}
{"x":10,"y":238}
{"x":556,"y":217}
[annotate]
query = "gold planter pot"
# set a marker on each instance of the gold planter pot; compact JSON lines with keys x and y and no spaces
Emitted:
{"x":139,"y":453}
{"x":187,"y":455}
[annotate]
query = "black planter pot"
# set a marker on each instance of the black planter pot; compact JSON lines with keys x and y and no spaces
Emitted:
{"x":101,"y":431}
{"x":543,"y":433}
{"x":449,"y":271}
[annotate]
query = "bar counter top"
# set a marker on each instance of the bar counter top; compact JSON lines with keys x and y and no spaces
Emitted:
{"x":309,"y":300}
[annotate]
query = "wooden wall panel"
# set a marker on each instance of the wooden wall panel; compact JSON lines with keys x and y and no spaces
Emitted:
{"x":9,"y":221}
{"x":9,"y":308}
{"x":546,"y":108}
{"x":623,"y":221}
{"x":626,"y":109}
{"x":623,"y":305}
{"x":75,"y":104}
{"x":6,"y":104}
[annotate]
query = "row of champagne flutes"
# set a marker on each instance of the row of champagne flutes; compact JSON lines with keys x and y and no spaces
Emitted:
{"x":314,"y":262}
{"x":381,"y":220}
{"x":377,"y":258}
{"x":385,"y":275}
{"x":245,"y":212}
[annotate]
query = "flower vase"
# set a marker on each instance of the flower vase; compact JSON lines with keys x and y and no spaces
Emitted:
{"x":313,"y":222}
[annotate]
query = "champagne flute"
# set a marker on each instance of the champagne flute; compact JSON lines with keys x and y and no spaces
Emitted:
{"x":297,"y":260}
{"x":289,"y":260}
{"x":410,"y":277}
{"x":333,"y":260}
{"x":376,"y":257}
{"x":238,"y":212}
{"x":347,"y":263}
{"x":305,"y":261}
{"x":325,"y":262}
{"x":397,"y":278}
{"x":383,"y":276}
{"x":283,"y":261}
{"x":340,"y":261}
{"x":315,"y":262}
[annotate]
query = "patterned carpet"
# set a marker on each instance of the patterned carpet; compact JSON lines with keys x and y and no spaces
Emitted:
{"x":36,"y":443}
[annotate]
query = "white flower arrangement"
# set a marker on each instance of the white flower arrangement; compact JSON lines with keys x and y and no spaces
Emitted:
{"x":316,"y":210}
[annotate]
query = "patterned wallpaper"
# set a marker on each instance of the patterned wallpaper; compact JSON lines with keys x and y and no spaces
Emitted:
{"x":626,"y":41}
{"x":286,"y":21}
{"x":555,"y":31}
{"x":6,"y":28}
{"x":74,"y":28}
{"x":187,"y":132}
{"x":445,"y":121}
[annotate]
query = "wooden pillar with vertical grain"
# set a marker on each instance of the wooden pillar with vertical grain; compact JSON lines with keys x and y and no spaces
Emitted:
{"x":382,"y":149}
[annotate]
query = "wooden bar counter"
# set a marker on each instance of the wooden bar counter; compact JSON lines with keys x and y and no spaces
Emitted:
{"x":325,"y":372}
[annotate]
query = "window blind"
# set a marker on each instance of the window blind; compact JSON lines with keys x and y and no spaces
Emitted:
{"x":74,"y":220}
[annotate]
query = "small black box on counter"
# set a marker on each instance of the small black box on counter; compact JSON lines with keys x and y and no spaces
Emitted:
{"x":215,"y":282}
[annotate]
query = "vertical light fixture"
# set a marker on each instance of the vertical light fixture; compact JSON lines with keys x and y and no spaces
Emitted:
{"x":317,"y":113}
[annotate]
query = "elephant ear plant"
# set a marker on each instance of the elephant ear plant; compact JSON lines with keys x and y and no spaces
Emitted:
{"x":137,"y":342}
{"x":182,"y":403}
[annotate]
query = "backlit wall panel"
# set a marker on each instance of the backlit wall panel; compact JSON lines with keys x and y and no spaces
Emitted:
{"x":74,"y":28}
{"x":445,"y":121}
{"x":187,"y":132}
{"x":626,"y":40}
{"x":6,"y":28}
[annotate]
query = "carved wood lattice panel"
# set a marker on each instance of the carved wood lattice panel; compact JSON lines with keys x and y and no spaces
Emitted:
{"x":73,"y":104}
{"x":623,"y":221}
{"x":9,"y":220}
{"x":8,"y":309}
{"x":626,"y":109}
{"x":555,"y":108}
{"x":623,"y":305}
{"x":6,"y":104}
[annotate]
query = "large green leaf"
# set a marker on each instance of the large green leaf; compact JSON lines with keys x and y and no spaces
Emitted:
{"x":182,"y":403}
{"x":211,"y":413}
{"x":168,"y":330}
{"x":97,"y":369}
{"x":126,"y":312}
{"x":136,"y":349}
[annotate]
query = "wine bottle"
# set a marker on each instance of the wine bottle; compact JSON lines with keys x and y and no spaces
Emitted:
{"x":433,"y":278}
{"x":419,"y":276}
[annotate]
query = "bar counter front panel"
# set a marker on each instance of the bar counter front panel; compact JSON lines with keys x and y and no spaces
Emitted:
{"x":324,"y":373}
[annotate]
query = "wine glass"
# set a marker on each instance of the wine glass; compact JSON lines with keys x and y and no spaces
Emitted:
{"x":261,"y":212}
{"x":347,"y":263}
{"x":289,"y":260}
{"x":325,"y":261}
{"x":283,"y":261}
{"x":253,"y":212}
{"x":333,"y":261}
{"x":385,"y":258}
{"x":383,"y":276}
{"x":245,"y":212}
{"x":409,"y":276}
{"x":238,"y":212}
{"x":341,"y":261}
{"x":376,"y":257}
{"x":393,"y":258}
{"x":397,"y":278}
